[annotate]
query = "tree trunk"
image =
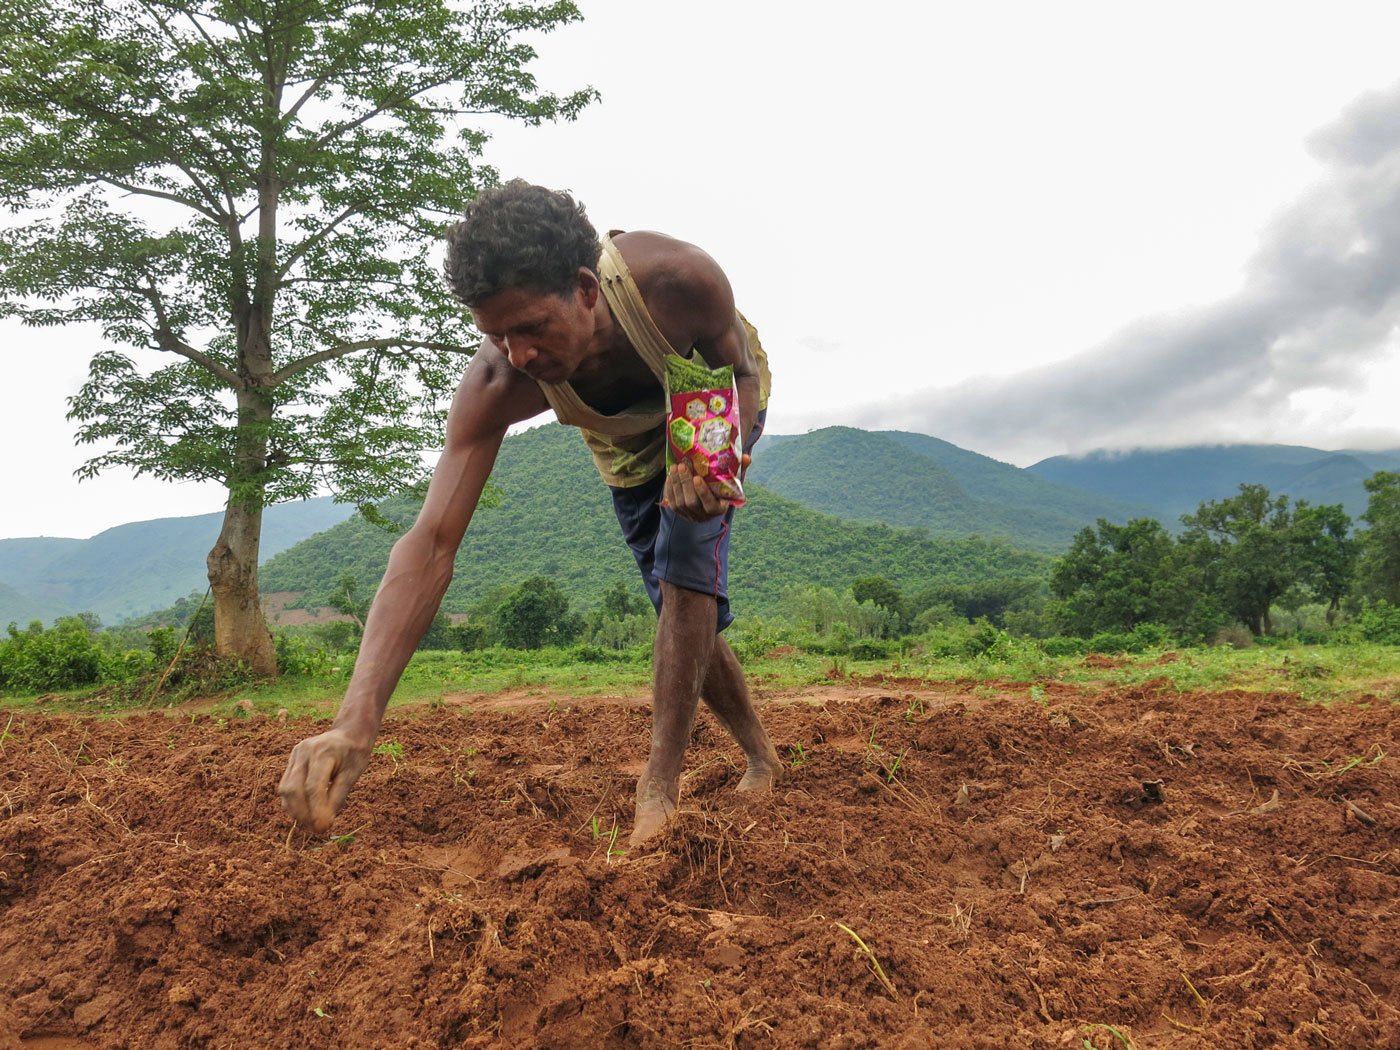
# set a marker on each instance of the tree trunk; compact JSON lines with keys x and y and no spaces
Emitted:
{"x":240,"y":629}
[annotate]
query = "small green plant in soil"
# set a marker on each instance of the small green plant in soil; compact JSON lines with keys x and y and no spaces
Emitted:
{"x":1091,"y":1029}
{"x":613,"y":851}
{"x":894,"y":766}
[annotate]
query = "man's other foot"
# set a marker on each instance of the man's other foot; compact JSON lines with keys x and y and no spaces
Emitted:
{"x":761,"y":776}
{"x":655,"y":807}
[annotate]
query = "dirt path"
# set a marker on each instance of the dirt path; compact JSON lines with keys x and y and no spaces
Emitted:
{"x":1194,"y":871}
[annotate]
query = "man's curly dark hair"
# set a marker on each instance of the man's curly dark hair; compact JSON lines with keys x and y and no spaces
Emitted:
{"x":519,"y":236}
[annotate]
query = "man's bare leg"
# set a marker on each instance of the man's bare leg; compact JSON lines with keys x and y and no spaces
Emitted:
{"x":690,"y":659}
{"x":726,"y":694}
{"x":685,"y":640}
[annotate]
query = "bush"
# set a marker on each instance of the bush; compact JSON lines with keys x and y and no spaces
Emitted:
{"x":64,"y":657}
{"x":621,"y":632}
{"x":198,"y":672}
{"x":535,"y":615}
{"x":469,"y":635}
{"x":338,"y":636}
{"x":825,"y":612}
{"x":1141,"y":638}
{"x":753,"y":636}
{"x":295,"y":656}
{"x":1236,"y":636}
{"x":1109,"y":642}
{"x":1379,"y":622}
{"x":1151,"y":636}
{"x":959,"y":639}
{"x":869,"y":649}
{"x":587,"y":653}
{"x":1063,"y":646}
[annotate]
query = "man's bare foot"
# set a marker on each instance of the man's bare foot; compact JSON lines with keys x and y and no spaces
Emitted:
{"x":656,"y":804}
{"x":761,"y":776}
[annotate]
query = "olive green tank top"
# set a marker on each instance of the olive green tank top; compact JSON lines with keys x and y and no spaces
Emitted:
{"x":629,"y":447}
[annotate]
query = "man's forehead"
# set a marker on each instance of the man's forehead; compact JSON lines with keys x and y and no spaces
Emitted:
{"x":513,"y":307}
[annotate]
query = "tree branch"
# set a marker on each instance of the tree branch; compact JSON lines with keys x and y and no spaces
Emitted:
{"x":331,"y":354}
{"x":171,"y":343}
{"x":350,"y":125}
{"x":167,"y":154}
{"x":140,"y":191}
{"x":324,"y":77}
{"x":316,"y":238}
{"x":166,"y":339}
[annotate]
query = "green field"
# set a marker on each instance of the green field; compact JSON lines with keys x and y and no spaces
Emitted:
{"x":1323,"y":674}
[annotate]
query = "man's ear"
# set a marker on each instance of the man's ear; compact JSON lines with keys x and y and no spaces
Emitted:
{"x":588,"y":287}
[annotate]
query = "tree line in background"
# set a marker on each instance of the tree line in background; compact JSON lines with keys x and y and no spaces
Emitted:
{"x":1239,"y":561}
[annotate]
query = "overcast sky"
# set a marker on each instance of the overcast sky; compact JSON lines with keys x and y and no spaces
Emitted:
{"x":1026,"y":228}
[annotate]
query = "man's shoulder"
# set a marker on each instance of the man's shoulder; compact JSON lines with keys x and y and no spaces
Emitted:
{"x":674,"y":275}
{"x":658,"y":258}
{"x":493,"y":393}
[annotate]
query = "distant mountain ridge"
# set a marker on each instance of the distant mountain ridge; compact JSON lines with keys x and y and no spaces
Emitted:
{"x":1173,"y":482}
{"x":917,"y":481}
{"x":134,"y":568}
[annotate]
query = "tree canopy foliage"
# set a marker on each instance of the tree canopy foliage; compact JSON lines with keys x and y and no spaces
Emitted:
{"x":1379,"y":556}
{"x":255,"y":188}
{"x":535,"y":614}
{"x":1237,"y":559}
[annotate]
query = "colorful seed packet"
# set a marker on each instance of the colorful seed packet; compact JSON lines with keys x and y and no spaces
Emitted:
{"x":702,"y":424}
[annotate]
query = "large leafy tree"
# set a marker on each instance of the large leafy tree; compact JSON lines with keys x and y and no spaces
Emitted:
{"x":1378,"y":565}
{"x":536,"y":614}
{"x":1326,"y":552}
{"x":254,"y":188}
{"x":1253,"y":548}
{"x":1115,"y":577}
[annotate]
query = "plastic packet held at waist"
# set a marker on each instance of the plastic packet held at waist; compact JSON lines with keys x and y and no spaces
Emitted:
{"x":702,"y":424}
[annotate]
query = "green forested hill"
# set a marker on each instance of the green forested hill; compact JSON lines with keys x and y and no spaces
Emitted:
{"x":1173,"y":482}
{"x":921,"y":482}
{"x":555,"y":517}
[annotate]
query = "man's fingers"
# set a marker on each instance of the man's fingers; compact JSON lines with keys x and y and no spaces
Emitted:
{"x":682,"y":494}
{"x":707,"y":499}
{"x":691,"y":496}
{"x":345,"y":778}
{"x":292,"y":787}
{"x":320,"y":773}
{"x":308,"y":788}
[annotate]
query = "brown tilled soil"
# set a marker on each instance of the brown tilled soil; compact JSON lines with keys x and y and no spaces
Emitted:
{"x":943,"y":867}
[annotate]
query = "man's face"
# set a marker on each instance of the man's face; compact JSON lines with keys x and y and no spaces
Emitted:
{"x":545,"y":336}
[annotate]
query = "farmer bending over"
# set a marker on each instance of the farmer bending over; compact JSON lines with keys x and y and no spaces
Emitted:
{"x":583,"y":328}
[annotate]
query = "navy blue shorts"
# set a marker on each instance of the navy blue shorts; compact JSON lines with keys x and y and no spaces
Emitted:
{"x":689,"y":554}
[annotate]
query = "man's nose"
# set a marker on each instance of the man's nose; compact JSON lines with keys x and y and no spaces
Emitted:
{"x":520,"y":352}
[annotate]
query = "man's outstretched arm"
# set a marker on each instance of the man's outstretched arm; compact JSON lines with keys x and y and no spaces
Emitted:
{"x":322,"y":769}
